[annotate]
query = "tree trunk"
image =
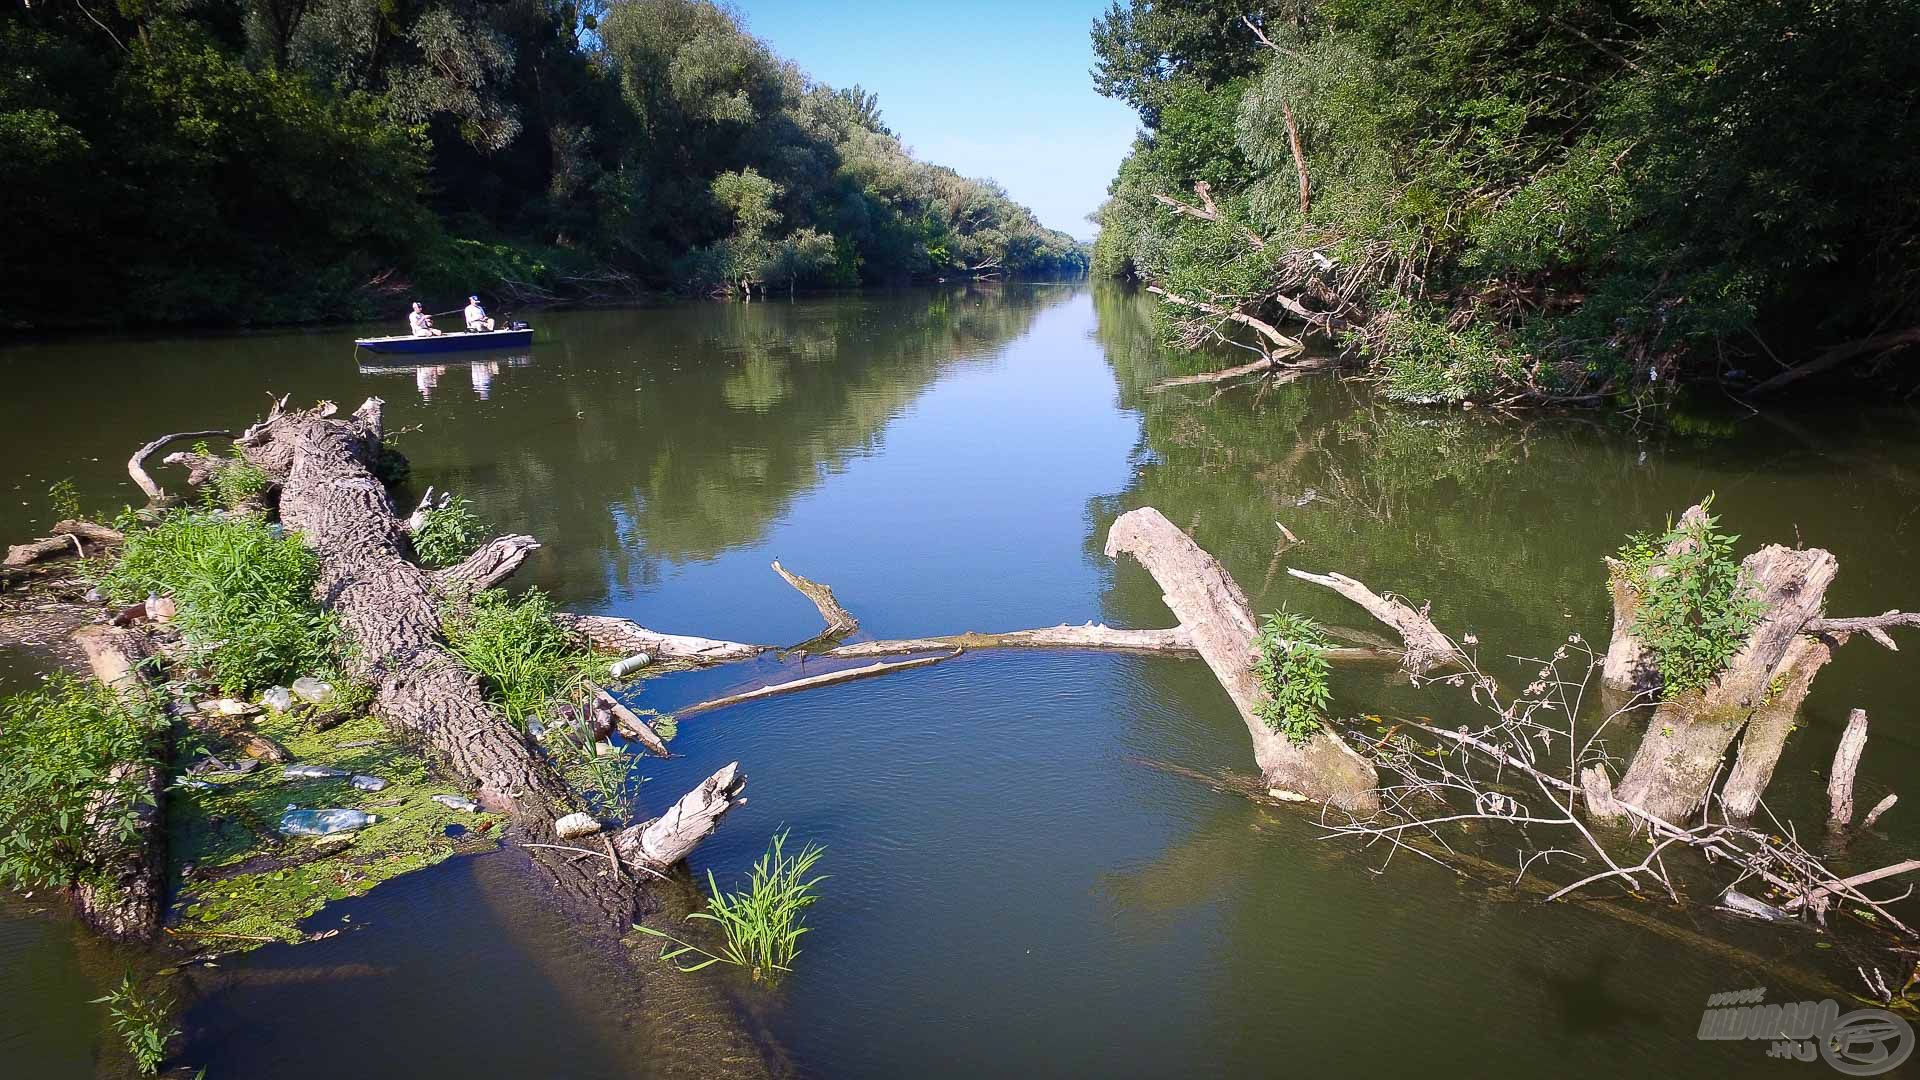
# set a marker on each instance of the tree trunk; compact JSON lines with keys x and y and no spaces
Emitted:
{"x":1215,"y":614}
{"x":386,"y":606}
{"x":124,"y":904}
{"x":1673,"y":770}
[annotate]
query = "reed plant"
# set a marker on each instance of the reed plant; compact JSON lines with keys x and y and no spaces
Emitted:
{"x":761,"y":926}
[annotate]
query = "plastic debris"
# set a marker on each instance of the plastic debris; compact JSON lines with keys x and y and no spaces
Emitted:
{"x":368,"y":783}
{"x":312,"y":772}
{"x":574,"y":826}
{"x":324,"y":822}
{"x":630,"y":665}
{"x":455,"y":802}
{"x":309,"y":689}
{"x":279,"y":699}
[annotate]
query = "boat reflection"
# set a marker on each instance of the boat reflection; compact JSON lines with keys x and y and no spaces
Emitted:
{"x":426,"y":377}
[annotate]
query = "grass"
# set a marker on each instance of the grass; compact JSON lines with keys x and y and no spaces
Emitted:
{"x":142,"y":1019}
{"x":607,"y":779}
{"x":525,"y":659}
{"x":762,"y":926}
{"x":59,"y":746}
{"x":236,"y":481}
{"x":1291,"y":667}
{"x":449,"y":532}
{"x":245,"y":595}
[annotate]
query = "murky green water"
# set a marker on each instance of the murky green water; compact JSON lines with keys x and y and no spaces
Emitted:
{"x":1013,"y":892}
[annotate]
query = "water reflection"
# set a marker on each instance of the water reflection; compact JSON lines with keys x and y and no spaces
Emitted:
{"x":426,"y":377}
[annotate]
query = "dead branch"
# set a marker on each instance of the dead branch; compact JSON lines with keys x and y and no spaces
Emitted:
{"x":1846,"y":762}
{"x":137,"y":464}
{"x":839,"y":620}
{"x":1427,"y":647}
{"x":623,"y":636}
{"x":812,"y":681}
{"x":486,"y":567}
{"x":629,"y":722}
{"x":67,"y":535}
{"x":1874,"y":626}
{"x":1281,"y":343}
{"x":1877,"y":345}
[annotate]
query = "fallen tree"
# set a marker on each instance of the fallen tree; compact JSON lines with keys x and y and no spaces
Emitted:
{"x":122,"y":901}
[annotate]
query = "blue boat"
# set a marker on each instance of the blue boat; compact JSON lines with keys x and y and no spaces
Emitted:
{"x":453,"y":342}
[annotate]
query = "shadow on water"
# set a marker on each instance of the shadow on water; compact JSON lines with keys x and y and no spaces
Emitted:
{"x":1011,"y":892}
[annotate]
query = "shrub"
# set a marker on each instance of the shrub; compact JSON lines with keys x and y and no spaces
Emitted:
{"x":1291,"y":667}
{"x":449,"y":533}
{"x":762,"y":925}
{"x":1696,"y":607}
{"x":59,"y":748}
{"x":141,"y":1019}
{"x":245,"y":595}
{"x":236,"y":481}
{"x":524,"y":658}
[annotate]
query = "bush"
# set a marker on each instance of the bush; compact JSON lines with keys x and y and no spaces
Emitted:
{"x":236,"y":481}
{"x":1291,"y":667}
{"x":524,"y":658}
{"x":450,"y":532}
{"x":59,"y":748}
{"x":245,"y":595}
{"x":1696,"y":607}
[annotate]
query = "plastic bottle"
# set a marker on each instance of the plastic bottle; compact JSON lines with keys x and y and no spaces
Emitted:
{"x":324,"y":822}
{"x":630,"y":665}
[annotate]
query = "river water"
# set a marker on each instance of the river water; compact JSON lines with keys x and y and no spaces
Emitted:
{"x":1014,"y":889}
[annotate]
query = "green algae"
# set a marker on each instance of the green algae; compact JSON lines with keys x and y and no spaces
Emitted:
{"x":240,"y":884}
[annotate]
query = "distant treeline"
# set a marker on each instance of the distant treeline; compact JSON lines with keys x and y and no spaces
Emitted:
{"x":1555,"y":198}
{"x":223,"y":161}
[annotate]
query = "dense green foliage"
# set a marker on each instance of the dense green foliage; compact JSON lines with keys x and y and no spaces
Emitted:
{"x":763,"y":925}
{"x":60,"y":747}
{"x":1547,"y":196}
{"x":524,"y":658}
{"x":143,"y":1020}
{"x":236,"y":481}
{"x":448,"y":533}
{"x":244,"y":593}
{"x":1291,"y":667}
{"x":277,"y":160}
{"x":1695,"y":605}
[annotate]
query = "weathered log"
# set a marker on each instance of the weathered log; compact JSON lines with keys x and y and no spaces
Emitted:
{"x":839,"y":620}
{"x":1846,"y":762}
{"x":629,"y":722}
{"x":1215,"y":613}
{"x":1629,"y":665}
{"x":1676,"y":762}
{"x":810,"y":682}
{"x":1765,"y":735}
{"x":1874,"y":626}
{"x":672,"y":836}
{"x":68,"y":535}
{"x":387,"y":611}
{"x":626,"y":637}
{"x":1879,"y":808}
{"x":1427,"y":648}
{"x":123,"y":901}
{"x":486,"y":567}
{"x":137,"y":464}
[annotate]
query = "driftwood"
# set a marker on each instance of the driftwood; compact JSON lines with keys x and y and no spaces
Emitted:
{"x":1879,"y":808}
{"x":1212,"y":609}
{"x":810,"y":682}
{"x":137,"y":464}
{"x":1427,"y":648}
{"x":629,"y":722}
{"x":610,"y":634}
{"x":1846,"y":762}
{"x":69,"y":535}
{"x":124,"y":904}
{"x":839,"y":620}
{"x":1878,"y":345}
{"x":387,"y":611}
{"x":486,"y":567}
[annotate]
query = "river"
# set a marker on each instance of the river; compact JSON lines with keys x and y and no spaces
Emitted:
{"x":1013,"y":890}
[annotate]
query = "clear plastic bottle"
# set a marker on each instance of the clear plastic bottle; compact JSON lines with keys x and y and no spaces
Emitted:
{"x":324,"y":822}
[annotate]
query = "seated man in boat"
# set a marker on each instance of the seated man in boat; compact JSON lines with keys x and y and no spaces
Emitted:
{"x":477,"y":320}
{"x":421,"y":322}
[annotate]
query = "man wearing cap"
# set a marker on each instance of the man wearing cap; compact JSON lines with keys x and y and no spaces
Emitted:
{"x":477,"y":320}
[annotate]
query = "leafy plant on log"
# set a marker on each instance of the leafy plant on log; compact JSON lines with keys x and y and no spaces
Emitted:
{"x":525,"y":658}
{"x":1695,"y":607}
{"x":448,"y":534}
{"x":1291,"y":667}
{"x":71,"y":757}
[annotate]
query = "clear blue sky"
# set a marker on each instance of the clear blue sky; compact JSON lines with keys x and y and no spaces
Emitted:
{"x":989,"y":88}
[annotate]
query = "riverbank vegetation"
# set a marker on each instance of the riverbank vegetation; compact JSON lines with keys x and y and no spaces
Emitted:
{"x":760,"y":926}
{"x":1546,"y":200}
{"x":246,"y":161}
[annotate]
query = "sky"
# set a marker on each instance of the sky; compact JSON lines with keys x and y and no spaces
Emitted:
{"x":990,"y":88}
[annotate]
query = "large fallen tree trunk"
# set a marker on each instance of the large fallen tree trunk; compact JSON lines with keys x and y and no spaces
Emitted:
{"x":1216,"y":615}
{"x":122,"y":901}
{"x":388,"y":612}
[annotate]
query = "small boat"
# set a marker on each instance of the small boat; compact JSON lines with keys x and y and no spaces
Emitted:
{"x":457,"y":341}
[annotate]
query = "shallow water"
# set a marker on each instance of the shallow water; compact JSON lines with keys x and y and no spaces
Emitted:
{"x":1012,"y":891}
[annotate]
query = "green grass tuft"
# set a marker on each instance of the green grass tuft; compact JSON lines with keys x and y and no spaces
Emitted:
{"x":763,"y":925}
{"x":524,"y":658}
